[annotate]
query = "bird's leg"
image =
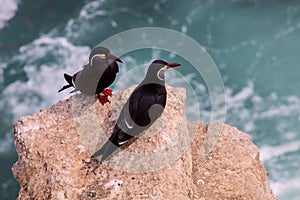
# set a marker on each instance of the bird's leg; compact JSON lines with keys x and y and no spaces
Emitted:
{"x":92,"y":165}
{"x":107,"y":92}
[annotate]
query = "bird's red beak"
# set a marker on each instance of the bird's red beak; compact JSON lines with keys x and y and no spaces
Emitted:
{"x":173,"y":64}
{"x":113,"y":57}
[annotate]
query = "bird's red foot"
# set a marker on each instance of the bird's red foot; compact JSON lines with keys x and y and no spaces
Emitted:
{"x":103,"y":96}
{"x":107,"y":92}
{"x":103,"y":99}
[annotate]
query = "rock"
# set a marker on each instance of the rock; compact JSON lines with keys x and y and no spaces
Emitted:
{"x":174,"y":159}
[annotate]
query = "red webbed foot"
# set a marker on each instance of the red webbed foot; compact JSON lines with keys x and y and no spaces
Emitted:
{"x":104,"y":96}
{"x":103,"y":99}
{"x":107,"y":92}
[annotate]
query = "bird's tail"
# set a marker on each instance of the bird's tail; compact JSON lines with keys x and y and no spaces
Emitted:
{"x":68,"y":78}
{"x":117,"y":139}
{"x":106,"y":150}
{"x":110,"y":146}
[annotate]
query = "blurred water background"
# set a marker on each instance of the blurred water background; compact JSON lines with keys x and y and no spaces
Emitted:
{"x":254,"y":43}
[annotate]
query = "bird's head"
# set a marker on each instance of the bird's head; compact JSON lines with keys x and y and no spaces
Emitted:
{"x":102,"y":54}
{"x":156,"y":70}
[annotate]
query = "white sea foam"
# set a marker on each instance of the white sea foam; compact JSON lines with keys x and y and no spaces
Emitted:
{"x":267,"y":152}
{"x":287,"y":188}
{"x":184,"y":28}
{"x":45,"y":78}
{"x":8,"y":10}
{"x":235,"y":105}
{"x":2,"y":67}
{"x":6,"y":143}
{"x":114,"y":23}
{"x":268,"y":107}
{"x":91,"y":10}
{"x":238,"y":99}
{"x":87,"y":13}
{"x":280,"y":110}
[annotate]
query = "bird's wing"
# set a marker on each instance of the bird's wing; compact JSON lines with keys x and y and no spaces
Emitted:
{"x":140,"y":112}
{"x":157,"y":109}
{"x":149,"y":108}
{"x":125,"y":121}
{"x":87,"y":79}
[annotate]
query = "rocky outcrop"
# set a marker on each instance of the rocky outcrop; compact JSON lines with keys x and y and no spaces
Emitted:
{"x":174,"y":159}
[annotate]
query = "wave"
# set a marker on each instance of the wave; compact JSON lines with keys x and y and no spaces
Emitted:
{"x":267,"y":152}
{"x":78,"y":26}
{"x":246,"y":107}
{"x":45,"y":76}
{"x":288,"y":189}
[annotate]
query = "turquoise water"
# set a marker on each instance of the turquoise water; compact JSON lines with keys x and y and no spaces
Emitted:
{"x":255,"y":44}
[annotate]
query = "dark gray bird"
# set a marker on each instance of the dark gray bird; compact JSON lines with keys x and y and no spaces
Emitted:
{"x":144,"y":106}
{"x":95,"y":76}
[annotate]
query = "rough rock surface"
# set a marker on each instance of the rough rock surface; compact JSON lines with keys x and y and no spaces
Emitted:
{"x":174,"y":159}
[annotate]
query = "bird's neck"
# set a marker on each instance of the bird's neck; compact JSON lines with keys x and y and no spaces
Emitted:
{"x":114,"y":67}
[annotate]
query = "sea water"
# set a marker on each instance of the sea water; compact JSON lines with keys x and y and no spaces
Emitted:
{"x":255,"y":45}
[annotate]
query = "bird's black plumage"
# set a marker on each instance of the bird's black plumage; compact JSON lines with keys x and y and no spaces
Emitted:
{"x":144,"y":106}
{"x":95,"y":76}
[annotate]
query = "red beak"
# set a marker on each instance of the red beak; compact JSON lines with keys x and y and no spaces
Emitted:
{"x":112,"y":57}
{"x":173,"y":64}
